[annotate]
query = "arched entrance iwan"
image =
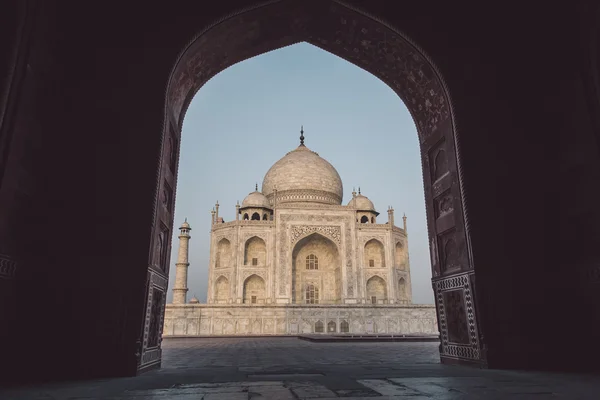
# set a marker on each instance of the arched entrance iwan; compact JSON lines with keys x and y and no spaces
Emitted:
{"x":386,"y":53}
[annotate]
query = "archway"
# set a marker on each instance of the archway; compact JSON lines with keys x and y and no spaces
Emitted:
{"x":374,"y":254}
{"x":255,"y":252}
{"x":400,"y":256}
{"x":221,"y":290}
{"x":223,"y":258}
{"x":316,"y":268}
{"x":395,"y":60}
{"x":376,"y":290}
{"x":254,"y":290}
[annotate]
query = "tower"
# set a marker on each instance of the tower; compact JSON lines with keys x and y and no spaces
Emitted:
{"x":180,"y":289}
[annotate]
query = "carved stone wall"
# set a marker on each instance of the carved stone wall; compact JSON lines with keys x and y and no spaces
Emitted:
{"x":215,"y":320}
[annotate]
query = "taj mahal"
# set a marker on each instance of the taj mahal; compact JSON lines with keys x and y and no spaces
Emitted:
{"x":297,"y":261}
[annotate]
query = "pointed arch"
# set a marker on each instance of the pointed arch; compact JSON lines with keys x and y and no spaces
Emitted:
{"x":326,"y":279}
{"x":254,"y":290}
{"x":402,"y":292}
{"x":400,"y":255}
{"x":255,"y":252}
{"x":255,"y":217}
{"x":223,"y":256}
{"x":374,"y":254}
{"x":376,"y":289}
{"x":221,"y":289}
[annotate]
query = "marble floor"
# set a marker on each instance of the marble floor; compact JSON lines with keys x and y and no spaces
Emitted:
{"x":289,"y":368}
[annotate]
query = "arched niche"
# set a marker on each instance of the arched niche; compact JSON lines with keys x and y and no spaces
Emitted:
{"x":327,"y":278}
{"x":221,"y":290}
{"x":255,"y":252}
{"x":254,"y":290}
{"x":402,"y":292}
{"x":400,"y":255}
{"x":374,"y":254}
{"x":223,"y":257}
{"x":255,"y":217}
{"x":376,"y":290}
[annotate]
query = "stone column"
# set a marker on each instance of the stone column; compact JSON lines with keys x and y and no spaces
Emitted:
{"x":180,"y":288}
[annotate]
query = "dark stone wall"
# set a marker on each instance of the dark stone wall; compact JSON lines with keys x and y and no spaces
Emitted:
{"x":86,"y":132}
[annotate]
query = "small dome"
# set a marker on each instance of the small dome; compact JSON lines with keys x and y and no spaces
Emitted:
{"x":185,"y":225}
{"x":361,"y":202}
{"x":194,"y":300}
{"x":256,"y":199}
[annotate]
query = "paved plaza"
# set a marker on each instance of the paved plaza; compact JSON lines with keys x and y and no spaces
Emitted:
{"x":281,"y":368}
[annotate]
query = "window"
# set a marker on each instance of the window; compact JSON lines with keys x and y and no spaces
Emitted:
{"x":255,"y":261}
{"x":245,"y":217}
{"x":253,"y":299}
{"x":264,"y":217}
{"x":312,"y":294}
{"x":373,"y":299}
{"x":255,"y":217}
{"x":319,"y":327}
{"x":312,"y":262}
{"x":364,"y":219}
{"x":371,"y":263}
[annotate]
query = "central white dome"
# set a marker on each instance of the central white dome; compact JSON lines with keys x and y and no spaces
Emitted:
{"x":303,"y":176}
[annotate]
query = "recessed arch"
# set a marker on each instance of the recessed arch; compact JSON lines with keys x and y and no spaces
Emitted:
{"x":364,"y":219}
{"x":255,"y":251}
{"x":223,"y":258}
{"x":255,"y":217}
{"x":361,"y":39}
{"x":221,"y":289}
{"x":400,"y":255}
{"x":326,"y":279}
{"x":376,"y":289}
{"x":374,"y":254}
{"x":254,"y":290}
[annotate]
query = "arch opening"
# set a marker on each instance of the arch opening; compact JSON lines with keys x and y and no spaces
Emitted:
{"x":316,"y":263}
{"x":223,"y":258}
{"x":222,"y":290}
{"x":255,"y":252}
{"x":374,"y":254}
{"x":376,"y":290}
{"x":416,"y":82}
{"x":254,"y":290}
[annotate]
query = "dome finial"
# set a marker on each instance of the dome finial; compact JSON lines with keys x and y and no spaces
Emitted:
{"x":256,"y":187}
{"x":301,"y":135}
{"x":359,"y":190}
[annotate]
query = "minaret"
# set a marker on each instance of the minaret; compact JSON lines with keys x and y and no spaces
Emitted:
{"x":237,"y":211}
{"x":391,"y":217}
{"x":180,"y":288}
{"x":404,"y":219}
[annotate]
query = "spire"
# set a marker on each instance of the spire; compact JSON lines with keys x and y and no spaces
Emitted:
{"x":256,"y":187}
{"x":301,"y":135}
{"x":185,"y":219}
{"x":359,"y":190}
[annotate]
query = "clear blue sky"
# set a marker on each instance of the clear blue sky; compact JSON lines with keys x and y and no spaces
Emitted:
{"x":247,"y":117}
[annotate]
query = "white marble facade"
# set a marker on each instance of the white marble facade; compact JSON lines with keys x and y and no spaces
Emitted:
{"x":217,"y":319}
{"x":295,"y":253}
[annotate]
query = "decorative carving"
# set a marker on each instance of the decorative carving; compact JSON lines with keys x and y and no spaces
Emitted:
{"x":444,"y":204}
{"x":300,"y":231}
{"x":455,"y":342}
{"x":261,"y":273}
{"x":155,"y":316}
{"x":8,"y":267}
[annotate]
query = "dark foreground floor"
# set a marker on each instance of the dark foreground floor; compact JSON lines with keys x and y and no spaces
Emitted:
{"x":289,"y":368}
